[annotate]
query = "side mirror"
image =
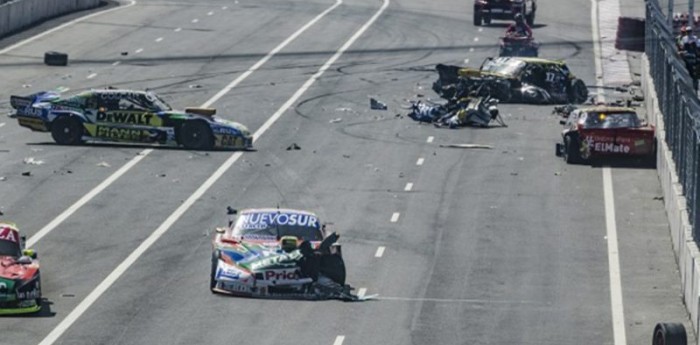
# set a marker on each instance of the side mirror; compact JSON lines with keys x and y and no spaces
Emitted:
{"x":30,"y":253}
{"x":231,"y":211}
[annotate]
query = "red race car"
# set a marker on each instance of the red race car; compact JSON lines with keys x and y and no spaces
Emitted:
{"x":20,"y":290}
{"x":599,"y":132}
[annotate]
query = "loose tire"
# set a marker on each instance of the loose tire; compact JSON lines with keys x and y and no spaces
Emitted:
{"x":572,"y":150}
{"x":578,"y":92}
{"x":55,"y":59}
{"x":196,"y":135}
{"x":333,"y":267}
{"x":530,"y":18}
{"x":477,"y":18}
{"x":669,"y":334}
{"x":67,"y":130}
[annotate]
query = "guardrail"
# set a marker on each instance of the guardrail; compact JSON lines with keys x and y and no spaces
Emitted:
{"x":19,"y":14}
{"x":679,"y":106}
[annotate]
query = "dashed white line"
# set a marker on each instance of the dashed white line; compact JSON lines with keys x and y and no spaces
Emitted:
{"x":159,"y":39}
{"x":476,"y":39}
{"x":395,"y":217}
{"x":361,"y":292}
{"x":92,"y":75}
{"x":138,"y":51}
{"x":225,"y":8}
{"x":210,"y":13}
{"x":431,"y":138}
{"x":481,"y":30}
{"x":339,"y":340}
{"x":471,"y":49}
{"x":2,"y":124}
{"x":380,"y":252}
{"x":420,"y":161}
{"x":177,"y":29}
{"x":195,"y":20}
{"x":116,"y":63}
{"x":409,"y":187}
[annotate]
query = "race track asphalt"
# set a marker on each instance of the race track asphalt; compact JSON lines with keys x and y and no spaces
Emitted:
{"x":494,"y":246}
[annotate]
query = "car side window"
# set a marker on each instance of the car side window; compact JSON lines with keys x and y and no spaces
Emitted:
{"x":129,"y":104}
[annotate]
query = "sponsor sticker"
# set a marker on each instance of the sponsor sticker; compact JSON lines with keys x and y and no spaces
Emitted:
{"x":264,"y":220}
{"x":9,"y":234}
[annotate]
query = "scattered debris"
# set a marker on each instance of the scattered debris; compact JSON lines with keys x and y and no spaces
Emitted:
{"x":556,"y":173}
{"x":272,"y":83}
{"x":37,"y":150}
{"x":293,"y":146}
{"x":336,"y":120}
{"x":344,"y":109}
{"x":659,"y":198}
{"x":125,"y":53}
{"x":514,"y":174}
{"x":161,"y":175}
{"x":377,"y":105}
{"x":26,"y":86}
{"x":267,"y":164}
{"x":69,"y":295}
{"x":195,"y":86}
{"x":400,"y":175}
{"x":103,"y":165}
{"x":399,"y":116}
{"x":69,"y":171}
{"x":3,"y":178}
{"x":27,"y":173}
{"x":346,"y":156}
{"x":521,"y":158}
{"x":1,"y":214}
{"x":467,"y":146}
{"x":32,"y":161}
{"x":420,"y":95}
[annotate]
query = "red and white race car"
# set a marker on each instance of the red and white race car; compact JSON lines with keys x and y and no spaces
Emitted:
{"x":20,"y":287}
{"x":603,"y":131}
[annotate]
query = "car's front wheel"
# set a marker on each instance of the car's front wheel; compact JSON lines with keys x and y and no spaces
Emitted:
{"x":572,"y":150}
{"x":67,"y":130}
{"x":578,"y":92}
{"x":212,"y":274}
{"x":196,"y":135}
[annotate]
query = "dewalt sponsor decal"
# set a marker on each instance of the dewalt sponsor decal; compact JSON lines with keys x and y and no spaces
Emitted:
{"x":129,"y":118}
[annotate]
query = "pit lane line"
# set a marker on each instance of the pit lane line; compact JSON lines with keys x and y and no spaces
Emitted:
{"x":409,"y":187}
{"x":96,"y":293}
{"x":616,"y":303}
{"x":420,"y":161}
{"x":395,"y":217}
{"x":431,"y":138}
{"x":380,"y":252}
{"x":117,"y":174}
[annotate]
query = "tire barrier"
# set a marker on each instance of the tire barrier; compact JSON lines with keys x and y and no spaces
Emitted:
{"x":630,"y":34}
{"x":669,"y":334}
{"x":20,"y":14}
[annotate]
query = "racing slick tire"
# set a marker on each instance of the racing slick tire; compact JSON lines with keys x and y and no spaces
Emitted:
{"x":669,"y":334}
{"x":212,"y":274}
{"x":55,"y":59}
{"x":578,"y":93}
{"x":67,"y":130}
{"x":196,"y":135}
{"x":530,"y":18}
{"x":572,"y":150}
{"x":333,"y":267}
{"x":477,"y":18}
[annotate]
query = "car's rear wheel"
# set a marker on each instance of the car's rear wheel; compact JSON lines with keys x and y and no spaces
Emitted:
{"x":67,"y":130}
{"x":670,"y":334}
{"x":196,"y":135}
{"x":572,"y":150}
{"x":212,"y":274}
{"x":578,"y":92}
{"x":530,"y":18}
{"x":333,"y":267}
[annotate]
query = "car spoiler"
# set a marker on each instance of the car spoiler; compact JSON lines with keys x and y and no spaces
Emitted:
{"x":19,"y":102}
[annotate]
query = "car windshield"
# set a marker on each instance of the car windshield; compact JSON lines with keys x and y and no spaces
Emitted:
{"x":614,"y":120}
{"x":507,"y":67}
{"x":271,"y":224}
{"x":159,"y":103}
{"x":9,"y":248}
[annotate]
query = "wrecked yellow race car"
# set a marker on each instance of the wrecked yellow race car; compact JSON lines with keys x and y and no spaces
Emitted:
{"x":513,"y":80}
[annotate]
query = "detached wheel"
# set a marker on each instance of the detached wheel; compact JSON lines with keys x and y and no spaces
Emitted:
{"x":578,"y":92}
{"x":530,"y":18}
{"x":477,"y":18}
{"x":196,"y":135}
{"x":669,"y":334}
{"x":67,"y":130}
{"x":333,"y":267}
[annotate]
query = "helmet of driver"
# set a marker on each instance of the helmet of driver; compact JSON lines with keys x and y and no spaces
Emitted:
{"x":518,"y":17}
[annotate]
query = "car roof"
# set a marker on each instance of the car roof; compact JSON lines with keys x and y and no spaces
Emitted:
{"x":607,"y":109}
{"x":271,"y":210}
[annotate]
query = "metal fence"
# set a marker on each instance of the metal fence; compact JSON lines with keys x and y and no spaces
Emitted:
{"x":679,"y":105}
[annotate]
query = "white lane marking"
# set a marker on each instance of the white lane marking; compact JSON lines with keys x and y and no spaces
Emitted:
{"x":178,"y":29}
{"x":361,"y":292}
{"x":210,"y":13}
{"x":380,"y":252}
{"x":86,"y":198}
{"x":339,"y":340}
{"x":159,"y":39}
{"x":616,"y":302}
{"x":466,"y":61}
{"x":270,"y":55}
{"x":431,"y":138}
{"x":420,"y":161}
{"x":409,"y":187}
{"x":63,"y":216}
{"x":63,"y":26}
{"x":138,"y":51}
{"x":481,"y":30}
{"x":92,"y":75}
{"x":471,"y":49}
{"x":225,"y":8}
{"x":92,"y":297}
{"x":195,"y":20}
{"x":2,"y":124}
{"x":395,"y":217}
{"x":476,"y":39}
{"x":116,"y":63}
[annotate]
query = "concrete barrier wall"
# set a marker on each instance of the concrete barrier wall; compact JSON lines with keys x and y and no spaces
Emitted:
{"x":684,"y":246}
{"x":19,"y":14}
